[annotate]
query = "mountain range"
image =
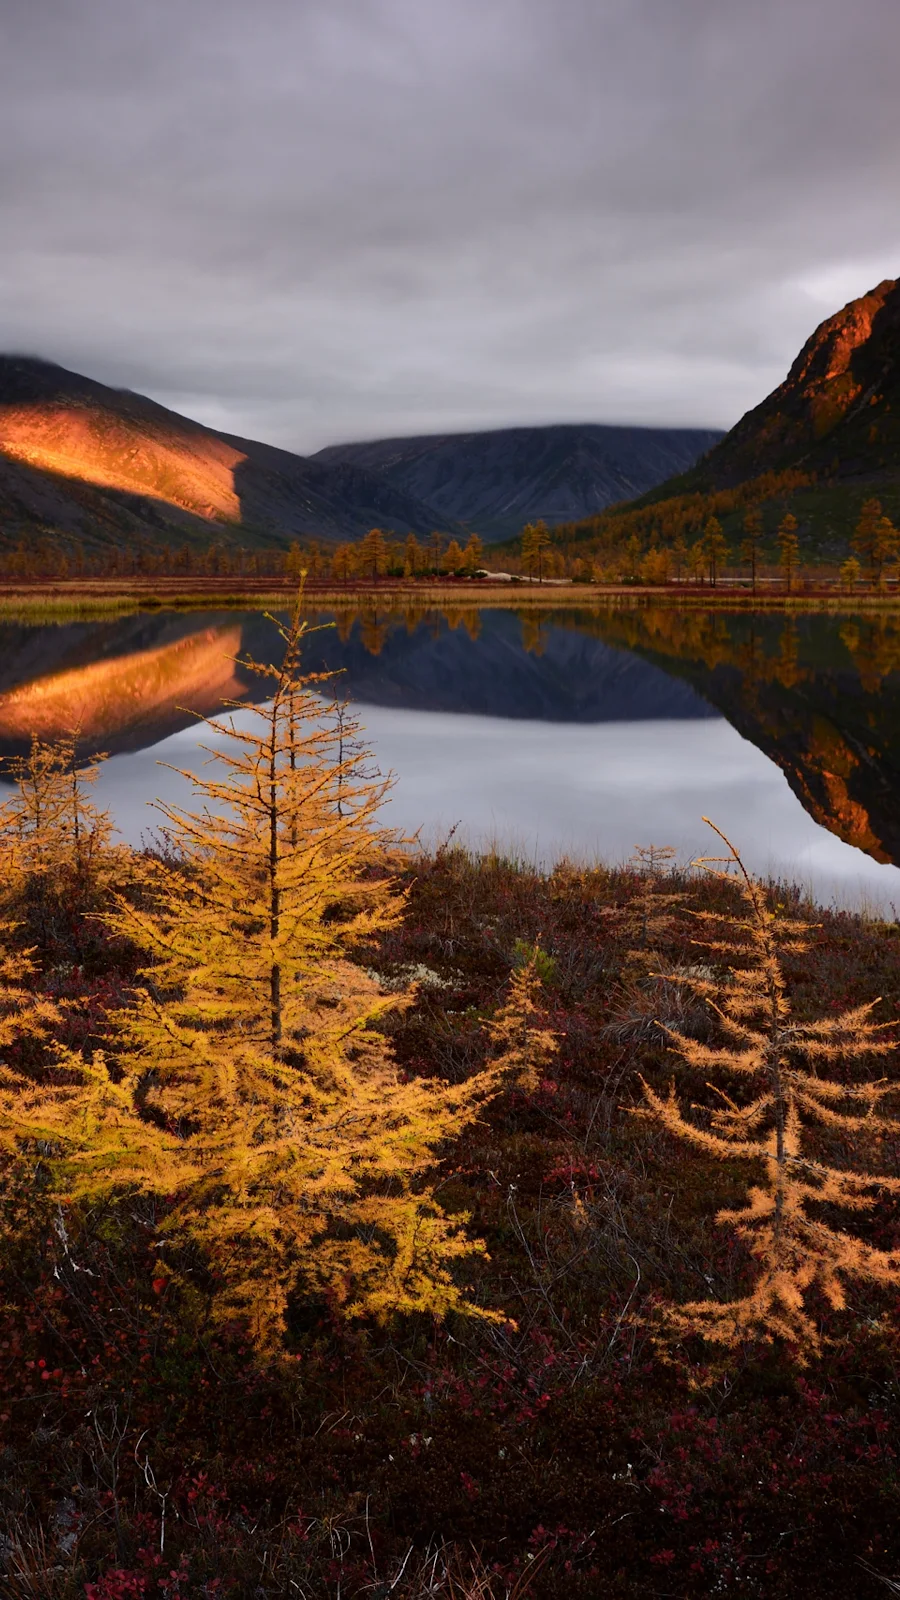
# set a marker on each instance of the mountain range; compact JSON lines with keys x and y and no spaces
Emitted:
{"x":498,"y":480}
{"x":105,"y":466}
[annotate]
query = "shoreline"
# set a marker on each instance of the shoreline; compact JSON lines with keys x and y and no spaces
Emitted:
{"x":102,"y":595}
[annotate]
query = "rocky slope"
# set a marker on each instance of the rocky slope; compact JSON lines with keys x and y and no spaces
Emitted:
{"x":834,"y":409}
{"x":819,"y":446}
{"x":495,"y":481}
{"x":835,"y":417}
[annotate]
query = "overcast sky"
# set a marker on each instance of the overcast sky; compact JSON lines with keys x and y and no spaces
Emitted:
{"x":319,"y":220}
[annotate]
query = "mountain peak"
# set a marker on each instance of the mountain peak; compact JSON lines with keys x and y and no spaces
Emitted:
{"x":828,"y":353}
{"x":849,"y":364}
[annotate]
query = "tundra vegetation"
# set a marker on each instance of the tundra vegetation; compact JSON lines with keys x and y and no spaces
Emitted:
{"x":380,"y":1223}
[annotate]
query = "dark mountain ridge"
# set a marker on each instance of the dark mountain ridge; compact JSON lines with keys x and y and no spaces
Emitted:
{"x":825,"y":441}
{"x":495,"y":481}
{"x":833,"y":409}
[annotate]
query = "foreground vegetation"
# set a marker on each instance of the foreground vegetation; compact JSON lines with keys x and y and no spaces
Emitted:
{"x":336,"y":1260}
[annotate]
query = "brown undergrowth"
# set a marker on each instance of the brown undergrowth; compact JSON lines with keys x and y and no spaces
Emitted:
{"x":146,"y":1451}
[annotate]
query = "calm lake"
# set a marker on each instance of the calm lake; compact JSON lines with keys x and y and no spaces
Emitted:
{"x":578,"y":732}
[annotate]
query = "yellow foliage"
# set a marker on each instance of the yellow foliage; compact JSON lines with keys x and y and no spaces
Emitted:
{"x":522,"y":1048}
{"x":647,"y":916}
{"x":780,"y":1063}
{"x":50,"y":820}
{"x":22,"y":1013}
{"x":252,"y":1083}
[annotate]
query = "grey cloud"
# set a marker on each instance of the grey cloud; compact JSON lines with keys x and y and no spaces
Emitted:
{"x":312,"y":220}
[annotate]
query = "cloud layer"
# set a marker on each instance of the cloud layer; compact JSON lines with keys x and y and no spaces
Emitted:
{"x":317,"y":220}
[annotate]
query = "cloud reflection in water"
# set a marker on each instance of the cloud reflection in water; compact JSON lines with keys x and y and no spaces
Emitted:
{"x":550,"y":789}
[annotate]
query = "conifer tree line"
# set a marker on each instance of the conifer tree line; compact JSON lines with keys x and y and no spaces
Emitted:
{"x":243,"y":1086}
{"x":378,"y":554}
{"x":749,"y":534}
{"x":743,"y":534}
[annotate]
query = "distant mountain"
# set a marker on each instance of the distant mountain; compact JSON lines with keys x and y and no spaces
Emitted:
{"x":108,"y":466}
{"x":497,"y":480}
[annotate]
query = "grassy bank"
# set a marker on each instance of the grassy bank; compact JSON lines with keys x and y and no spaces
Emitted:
{"x":561,"y":1452}
{"x":50,"y":602}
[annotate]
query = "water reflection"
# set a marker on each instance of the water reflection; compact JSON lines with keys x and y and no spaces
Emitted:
{"x":579,"y":732}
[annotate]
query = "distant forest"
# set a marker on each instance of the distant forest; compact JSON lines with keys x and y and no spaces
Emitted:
{"x":749,"y":532}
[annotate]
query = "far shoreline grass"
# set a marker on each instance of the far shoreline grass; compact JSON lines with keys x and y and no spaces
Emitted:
{"x":63,"y":598}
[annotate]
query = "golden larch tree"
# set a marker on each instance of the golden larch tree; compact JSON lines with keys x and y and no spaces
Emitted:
{"x":57,"y":858}
{"x":715,"y":548}
{"x":453,"y":559}
{"x":24,"y":1013}
{"x":864,"y":542}
{"x":752,"y":542}
{"x":50,"y":819}
{"x":473,"y":553}
{"x":252,"y":1083}
{"x":788,"y":549}
{"x":374,"y":554}
{"x":536,"y":541}
{"x":522,"y":1045}
{"x":781,"y":1063}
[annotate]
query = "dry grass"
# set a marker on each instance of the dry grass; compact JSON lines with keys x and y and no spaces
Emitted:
{"x":58,"y":600}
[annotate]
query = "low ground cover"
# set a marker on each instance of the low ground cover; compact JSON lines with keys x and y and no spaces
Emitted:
{"x":564,"y":1450}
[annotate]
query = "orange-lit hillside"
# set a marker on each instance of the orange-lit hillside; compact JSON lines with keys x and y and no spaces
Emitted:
{"x":193,"y":470}
{"x":80,"y":461}
{"x":835,"y":412}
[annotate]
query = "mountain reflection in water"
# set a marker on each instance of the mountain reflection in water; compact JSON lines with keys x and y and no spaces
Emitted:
{"x":579,"y":732}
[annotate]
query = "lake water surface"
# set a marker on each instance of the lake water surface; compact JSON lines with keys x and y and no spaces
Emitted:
{"x":579,"y":733}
